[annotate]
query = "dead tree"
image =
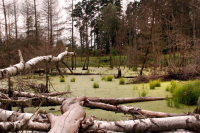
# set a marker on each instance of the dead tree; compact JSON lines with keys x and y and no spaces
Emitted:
{"x":27,"y":66}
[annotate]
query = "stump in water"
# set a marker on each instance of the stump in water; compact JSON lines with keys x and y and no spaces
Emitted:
{"x":119,"y":74}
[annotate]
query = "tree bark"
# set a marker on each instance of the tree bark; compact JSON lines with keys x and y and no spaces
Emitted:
{"x":191,"y":123}
{"x":129,"y":110}
{"x":70,"y":121}
{"x":15,"y":15}
{"x":24,"y":124}
{"x":116,"y":101}
{"x":6,"y":24}
{"x":24,"y":66}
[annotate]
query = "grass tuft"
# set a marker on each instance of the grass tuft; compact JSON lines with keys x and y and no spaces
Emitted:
{"x":121,"y":81}
{"x":154,"y":83}
{"x":109,"y":78}
{"x":62,"y":79}
{"x":73,"y":80}
{"x":95,"y":85}
{"x":103,"y":78}
{"x":143,"y":92}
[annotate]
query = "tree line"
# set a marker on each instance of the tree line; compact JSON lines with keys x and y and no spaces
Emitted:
{"x":151,"y":33}
{"x":161,"y":34}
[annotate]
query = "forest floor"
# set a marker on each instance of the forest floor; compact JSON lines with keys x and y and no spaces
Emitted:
{"x":83,"y":86}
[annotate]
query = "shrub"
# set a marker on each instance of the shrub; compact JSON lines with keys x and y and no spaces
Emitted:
{"x":62,"y":79}
{"x":103,"y":78}
{"x":92,"y":79}
{"x":73,"y":80}
{"x":95,"y":85}
{"x":109,"y":78}
{"x":187,"y":93}
{"x":121,"y":81}
{"x":155,"y":83}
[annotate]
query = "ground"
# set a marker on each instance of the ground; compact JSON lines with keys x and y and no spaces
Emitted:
{"x":83,"y":86}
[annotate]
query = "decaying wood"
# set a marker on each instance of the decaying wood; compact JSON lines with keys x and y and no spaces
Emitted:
{"x":12,"y":116}
{"x":13,"y":121}
{"x":129,"y":110}
{"x":191,"y":123}
{"x":53,"y":101}
{"x":26,"y":66}
{"x":116,"y":101}
{"x":24,"y":124}
{"x":17,"y":103}
{"x":70,"y":121}
{"x":73,"y":120}
{"x":51,"y":94}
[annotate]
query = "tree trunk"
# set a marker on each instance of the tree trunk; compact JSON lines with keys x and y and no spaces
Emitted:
{"x":6,"y":24}
{"x":24,"y":66}
{"x":129,"y":110}
{"x":36,"y":21}
{"x":191,"y":123}
{"x":70,"y":121}
{"x":15,"y":15}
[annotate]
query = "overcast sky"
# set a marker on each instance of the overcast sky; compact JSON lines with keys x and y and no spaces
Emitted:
{"x":62,"y":4}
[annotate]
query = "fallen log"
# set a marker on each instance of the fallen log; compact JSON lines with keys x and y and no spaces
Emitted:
{"x":191,"y":123}
{"x":24,"y":124}
{"x":116,"y":101}
{"x":12,"y":116}
{"x":73,"y":120}
{"x":70,"y":121}
{"x":17,"y":103}
{"x":27,"y":66}
{"x":51,"y":94}
{"x":130,"y":110}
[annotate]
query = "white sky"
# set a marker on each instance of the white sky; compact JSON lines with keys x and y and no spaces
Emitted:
{"x":64,"y":14}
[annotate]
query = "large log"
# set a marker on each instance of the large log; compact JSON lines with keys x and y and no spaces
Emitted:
{"x":70,"y":121}
{"x":12,"y":116}
{"x":51,"y":94}
{"x":191,"y":123}
{"x":116,"y":101}
{"x":130,"y":110}
{"x":27,"y":66}
{"x":24,"y":124}
{"x":73,"y":115}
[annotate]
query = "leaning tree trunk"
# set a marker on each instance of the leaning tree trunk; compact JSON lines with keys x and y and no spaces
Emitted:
{"x":24,"y":66}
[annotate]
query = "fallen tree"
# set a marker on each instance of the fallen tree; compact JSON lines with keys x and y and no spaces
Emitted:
{"x":58,"y":101}
{"x":27,"y":66}
{"x":191,"y":123}
{"x":73,"y":120}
